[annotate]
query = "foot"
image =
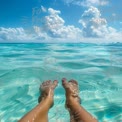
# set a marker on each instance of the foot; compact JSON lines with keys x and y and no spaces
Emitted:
{"x":71,"y":89}
{"x":47,"y":91}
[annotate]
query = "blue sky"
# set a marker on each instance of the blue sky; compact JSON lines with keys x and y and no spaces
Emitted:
{"x":60,"y":21}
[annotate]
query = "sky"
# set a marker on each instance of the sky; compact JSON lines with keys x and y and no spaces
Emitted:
{"x":98,"y":21}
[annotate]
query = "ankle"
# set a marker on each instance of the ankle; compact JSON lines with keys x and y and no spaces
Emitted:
{"x":47,"y":101}
{"x":72,"y":101}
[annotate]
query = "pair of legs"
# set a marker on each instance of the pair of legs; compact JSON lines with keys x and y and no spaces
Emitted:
{"x":76,"y":111}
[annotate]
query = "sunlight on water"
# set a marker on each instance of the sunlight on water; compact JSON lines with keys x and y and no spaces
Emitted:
{"x":97,"y":68}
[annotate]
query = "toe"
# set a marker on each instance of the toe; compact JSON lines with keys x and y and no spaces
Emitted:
{"x":55,"y":83}
{"x":45,"y":83}
{"x":73,"y":81}
{"x":65,"y":83}
{"x":64,"y":80}
{"x":48,"y":82}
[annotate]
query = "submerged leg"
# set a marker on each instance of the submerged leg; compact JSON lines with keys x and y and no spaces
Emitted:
{"x":77,"y":112}
{"x":40,"y":112}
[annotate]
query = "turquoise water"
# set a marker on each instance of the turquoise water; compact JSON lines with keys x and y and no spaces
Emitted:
{"x":97,"y":68}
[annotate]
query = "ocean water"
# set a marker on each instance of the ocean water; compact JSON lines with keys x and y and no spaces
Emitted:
{"x":97,"y":68}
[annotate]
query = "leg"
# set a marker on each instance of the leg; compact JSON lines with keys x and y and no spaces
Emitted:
{"x":40,"y":112}
{"x":77,"y":112}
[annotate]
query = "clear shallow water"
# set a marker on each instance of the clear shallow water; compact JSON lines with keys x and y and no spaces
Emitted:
{"x":97,"y":68}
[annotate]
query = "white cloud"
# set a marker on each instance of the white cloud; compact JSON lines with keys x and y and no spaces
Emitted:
{"x":11,"y":34}
{"x":53,"y":12}
{"x":40,"y":34}
{"x":55,"y":26}
{"x":87,"y":2}
{"x":43,"y":9}
{"x":95,"y":26}
{"x":96,"y":2}
{"x":19,"y":35}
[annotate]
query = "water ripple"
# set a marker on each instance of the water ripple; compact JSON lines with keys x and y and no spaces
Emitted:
{"x":97,"y":68}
